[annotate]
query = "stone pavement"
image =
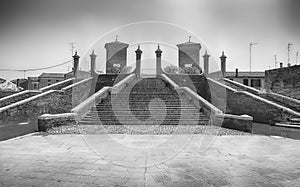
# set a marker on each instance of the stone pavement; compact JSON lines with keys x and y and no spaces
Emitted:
{"x":149,"y":160}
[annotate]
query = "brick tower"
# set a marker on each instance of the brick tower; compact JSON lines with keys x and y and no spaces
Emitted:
{"x":116,"y":56}
{"x":188,"y":54}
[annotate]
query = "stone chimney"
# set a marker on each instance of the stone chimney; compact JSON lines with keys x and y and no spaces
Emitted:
{"x":236,"y":72}
{"x":158,"y":61}
{"x":281,"y":65}
{"x":206,"y":63}
{"x":138,"y":53}
{"x":223,"y":63}
{"x":75,"y":65}
{"x":93,"y":63}
{"x":288,"y":64}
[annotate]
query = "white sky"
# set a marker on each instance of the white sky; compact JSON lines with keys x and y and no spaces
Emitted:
{"x":36,"y":33}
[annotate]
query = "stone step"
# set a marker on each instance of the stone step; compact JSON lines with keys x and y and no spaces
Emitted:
{"x":98,"y":122}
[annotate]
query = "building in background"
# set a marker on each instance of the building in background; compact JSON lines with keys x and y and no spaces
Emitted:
{"x":254,"y":79}
{"x":116,"y":56}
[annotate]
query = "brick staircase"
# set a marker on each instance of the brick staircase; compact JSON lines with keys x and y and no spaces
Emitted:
{"x":144,"y":103}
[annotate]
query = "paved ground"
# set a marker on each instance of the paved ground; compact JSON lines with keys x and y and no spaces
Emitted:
{"x":149,"y":160}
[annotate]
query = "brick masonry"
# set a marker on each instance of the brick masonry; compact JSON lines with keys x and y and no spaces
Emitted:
{"x":197,"y":83}
{"x":51,"y":102}
{"x":285,"y":81}
{"x":236,"y":102}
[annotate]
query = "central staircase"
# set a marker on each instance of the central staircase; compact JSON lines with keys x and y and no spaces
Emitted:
{"x":143,"y":105}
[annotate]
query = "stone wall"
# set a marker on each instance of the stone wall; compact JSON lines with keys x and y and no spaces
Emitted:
{"x":285,"y":81}
{"x":79,"y":91}
{"x":48,"y":121}
{"x":241,"y":102}
{"x":108,"y":80}
{"x":51,"y":102}
{"x":197,"y":83}
{"x":17,"y":97}
{"x":5,"y":94}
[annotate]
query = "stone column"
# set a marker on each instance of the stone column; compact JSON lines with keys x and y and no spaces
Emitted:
{"x":223,"y":64}
{"x":75,"y":65}
{"x":93,"y":63}
{"x":138,"y":61}
{"x":206,"y":63}
{"x":158,"y":61}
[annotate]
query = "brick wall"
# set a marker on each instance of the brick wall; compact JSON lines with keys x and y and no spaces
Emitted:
{"x":285,"y":81}
{"x":79,"y":91}
{"x":4,"y":94}
{"x":51,"y":102}
{"x":240,"y":102}
{"x":17,"y":97}
{"x":108,"y":80}
{"x":197,"y":83}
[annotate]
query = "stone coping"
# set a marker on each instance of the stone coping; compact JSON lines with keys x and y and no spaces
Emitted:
{"x":56,"y":84}
{"x":120,"y":85}
{"x":19,"y":93}
{"x":81,"y":109}
{"x":173,"y":84}
{"x":256,"y":97}
{"x":77,"y":83}
{"x":283,"y":97}
{"x":27,"y":100}
{"x":242,"y":86}
{"x":54,"y":116}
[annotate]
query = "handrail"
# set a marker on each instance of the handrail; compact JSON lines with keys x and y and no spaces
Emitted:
{"x":120,"y":85}
{"x":19,"y":93}
{"x":256,"y":97}
{"x":77,"y":83}
{"x":242,"y":86}
{"x":26,"y":100}
{"x":172,"y":83}
{"x":46,"y":88}
{"x":83,"y":107}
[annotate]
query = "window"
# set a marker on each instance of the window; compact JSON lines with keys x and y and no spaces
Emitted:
{"x":35,"y":86}
{"x":57,"y":80}
{"x":245,"y":82}
{"x":49,"y":80}
{"x":255,"y":83}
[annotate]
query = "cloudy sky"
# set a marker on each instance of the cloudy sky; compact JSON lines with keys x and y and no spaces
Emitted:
{"x":36,"y":33}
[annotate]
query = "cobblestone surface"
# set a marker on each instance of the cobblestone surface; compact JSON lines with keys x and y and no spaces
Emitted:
{"x":149,"y":160}
{"x":145,"y":129}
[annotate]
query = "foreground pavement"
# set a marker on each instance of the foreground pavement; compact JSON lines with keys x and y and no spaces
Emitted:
{"x":149,"y":160}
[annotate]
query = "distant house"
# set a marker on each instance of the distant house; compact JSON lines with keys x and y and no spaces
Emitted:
{"x":33,"y":83}
{"x":23,"y":83}
{"x":46,"y":79}
{"x":254,"y":79}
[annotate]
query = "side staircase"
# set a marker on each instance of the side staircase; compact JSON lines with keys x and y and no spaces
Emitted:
{"x":143,"y":104}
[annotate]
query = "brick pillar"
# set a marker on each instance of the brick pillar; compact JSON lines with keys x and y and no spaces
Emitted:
{"x":223,"y":64}
{"x":76,"y":63}
{"x":93,"y":63}
{"x":206,"y":63}
{"x":158,"y":61}
{"x":138,"y":53}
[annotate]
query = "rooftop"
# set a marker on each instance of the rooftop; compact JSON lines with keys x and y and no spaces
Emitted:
{"x":245,"y":74}
{"x":52,"y":75}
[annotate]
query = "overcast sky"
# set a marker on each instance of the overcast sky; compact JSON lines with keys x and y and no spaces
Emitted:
{"x":36,"y":33}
